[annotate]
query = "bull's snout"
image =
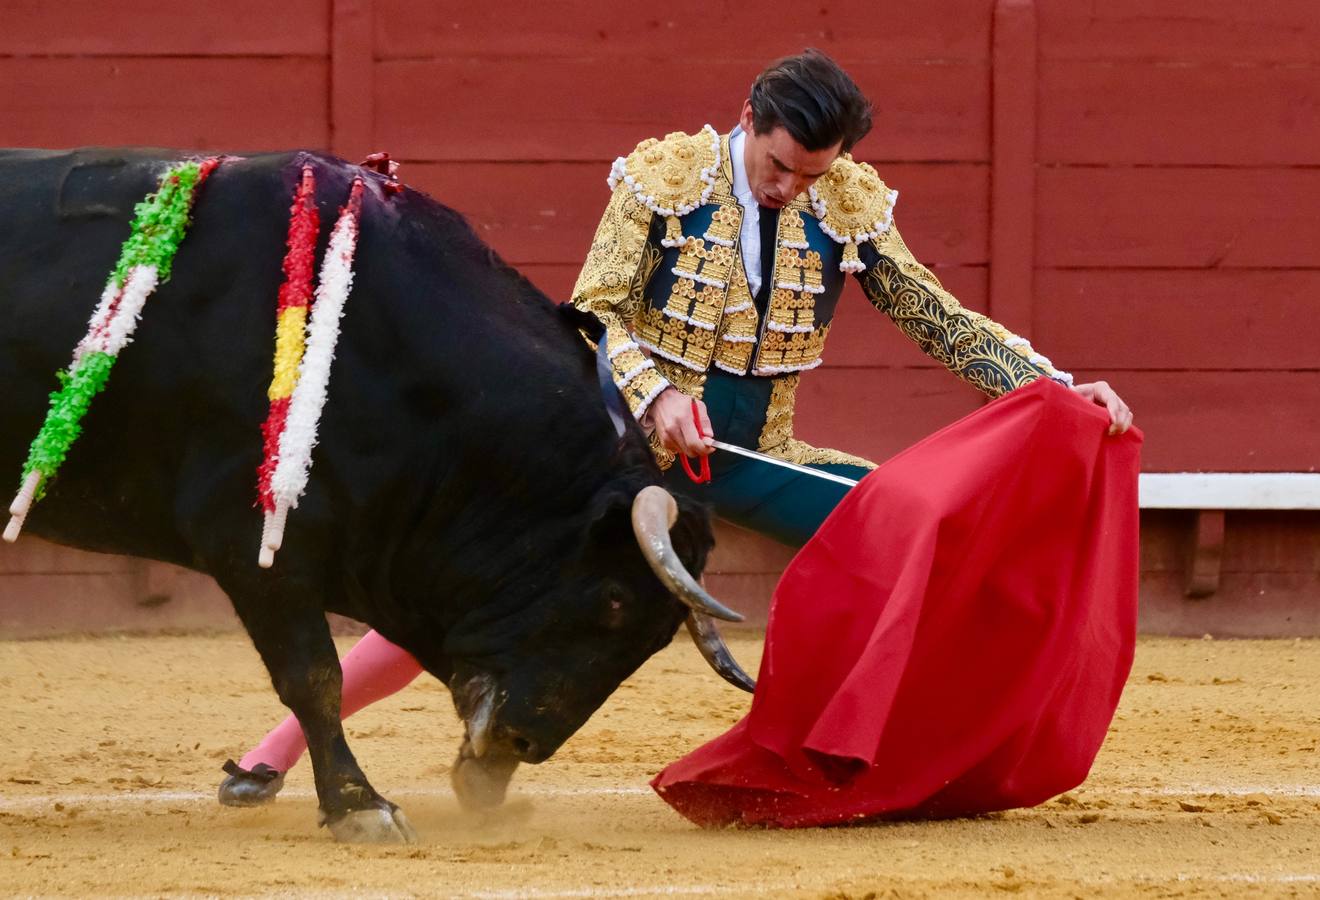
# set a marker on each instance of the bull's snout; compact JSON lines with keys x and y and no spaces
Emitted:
{"x":523,"y":746}
{"x":500,"y":728}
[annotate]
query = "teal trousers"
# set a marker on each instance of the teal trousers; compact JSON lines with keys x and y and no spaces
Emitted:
{"x":782,"y":504}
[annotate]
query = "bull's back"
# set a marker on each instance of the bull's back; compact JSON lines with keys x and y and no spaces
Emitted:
{"x":66,"y":214}
{"x":426,"y":291}
{"x":189,"y":382}
{"x":444,"y":352}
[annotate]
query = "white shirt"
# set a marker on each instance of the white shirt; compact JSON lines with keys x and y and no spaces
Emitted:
{"x":751,"y":220}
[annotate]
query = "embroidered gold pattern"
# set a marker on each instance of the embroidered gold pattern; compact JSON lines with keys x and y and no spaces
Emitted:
{"x":781,"y":351}
{"x":691,"y":383}
{"x":616,"y":252}
{"x":724,"y":225}
{"x":641,"y":390}
{"x":697,"y":304}
{"x":792,"y":300}
{"x":675,"y":339}
{"x":791,"y":230}
{"x":685,"y":330}
{"x":651,"y":260}
{"x":663,"y":458}
{"x":853,"y":205}
{"x":737,"y":334}
{"x":671,"y":177}
{"x":812,"y":267}
{"x":606,"y":286}
{"x":968,"y":343}
{"x":788,"y":268}
{"x":709,"y":265}
{"x":790,"y":340}
{"x":777,"y":434}
{"x":706,"y":307}
{"x":690,"y":259}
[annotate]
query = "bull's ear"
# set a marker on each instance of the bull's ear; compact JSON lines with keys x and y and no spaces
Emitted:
{"x":583,"y":321}
{"x":611,"y":518}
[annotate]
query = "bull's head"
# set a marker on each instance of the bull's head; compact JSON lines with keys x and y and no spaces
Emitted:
{"x":625,"y":595}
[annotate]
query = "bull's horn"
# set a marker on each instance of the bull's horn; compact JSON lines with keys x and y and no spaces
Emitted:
{"x":479,"y":722}
{"x":654,"y":512}
{"x":707,"y":638}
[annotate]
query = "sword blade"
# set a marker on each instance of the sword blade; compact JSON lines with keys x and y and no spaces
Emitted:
{"x":783,"y":463}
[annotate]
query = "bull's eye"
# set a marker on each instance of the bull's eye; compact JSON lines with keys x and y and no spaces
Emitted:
{"x":615,"y":598}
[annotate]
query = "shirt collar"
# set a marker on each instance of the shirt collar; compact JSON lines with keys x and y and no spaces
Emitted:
{"x":741,"y":189}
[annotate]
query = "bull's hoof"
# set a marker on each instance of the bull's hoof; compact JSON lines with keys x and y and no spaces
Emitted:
{"x":480,"y":783}
{"x":255,"y":787}
{"x":379,"y":825}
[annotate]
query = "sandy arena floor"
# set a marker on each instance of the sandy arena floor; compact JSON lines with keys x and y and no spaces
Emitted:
{"x":1209,"y":786}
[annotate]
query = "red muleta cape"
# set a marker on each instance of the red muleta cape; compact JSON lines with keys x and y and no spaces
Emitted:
{"x":955,"y":637}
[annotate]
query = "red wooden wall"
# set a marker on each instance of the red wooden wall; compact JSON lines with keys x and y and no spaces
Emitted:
{"x":1131,"y":183}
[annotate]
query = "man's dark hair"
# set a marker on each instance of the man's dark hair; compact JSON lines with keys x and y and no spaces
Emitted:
{"x":813,"y":99}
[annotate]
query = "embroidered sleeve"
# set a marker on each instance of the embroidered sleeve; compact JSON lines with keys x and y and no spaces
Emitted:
{"x":977,"y":349}
{"x":610,"y":285}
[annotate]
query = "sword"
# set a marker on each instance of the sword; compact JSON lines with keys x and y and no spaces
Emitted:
{"x":617,"y":411}
{"x":805,"y":470}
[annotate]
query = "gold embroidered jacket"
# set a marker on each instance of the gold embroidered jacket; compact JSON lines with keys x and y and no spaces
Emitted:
{"x":665,"y":275}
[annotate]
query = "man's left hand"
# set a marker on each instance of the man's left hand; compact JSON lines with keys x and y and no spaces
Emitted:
{"x":1101,"y":394}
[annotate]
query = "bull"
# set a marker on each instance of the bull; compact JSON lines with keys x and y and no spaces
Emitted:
{"x":471,"y":498}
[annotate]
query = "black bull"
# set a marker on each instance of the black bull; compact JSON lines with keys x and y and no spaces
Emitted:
{"x":469,"y":498}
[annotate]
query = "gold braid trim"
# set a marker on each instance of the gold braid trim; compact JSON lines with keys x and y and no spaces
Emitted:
{"x":790,"y":340}
{"x":853,"y":205}
{"x":663,"y":458}
{"x":685,"y":329}
{"x":969,"y":344}
{"x":619,"y":249}
{"x":736,"y":337}
{"x":691,"y":383}
{"x":777,"y":436}
{"x":672,"y":176}
{"x":610,"y":285}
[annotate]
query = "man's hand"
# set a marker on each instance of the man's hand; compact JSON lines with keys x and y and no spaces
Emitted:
{"x":671,"y":413}
{"x":1101,"y":394}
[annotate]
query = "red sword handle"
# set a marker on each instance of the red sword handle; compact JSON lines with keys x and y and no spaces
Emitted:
{"x":704,"y":477}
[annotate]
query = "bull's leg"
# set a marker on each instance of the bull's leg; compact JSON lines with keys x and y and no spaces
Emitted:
{"x":294,"y":641}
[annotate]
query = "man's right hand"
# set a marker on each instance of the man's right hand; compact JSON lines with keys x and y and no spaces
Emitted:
{"x":671,"y":413}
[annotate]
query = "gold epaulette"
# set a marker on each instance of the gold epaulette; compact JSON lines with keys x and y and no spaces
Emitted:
{"x":671,"y":177}
{"x":853,"y":205}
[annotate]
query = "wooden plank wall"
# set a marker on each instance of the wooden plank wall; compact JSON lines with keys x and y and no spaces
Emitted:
{"x":1131,"y":183}
{"x":134,"y":72}
{"x":1136,"y":177}
{"x":1179,"y":161}
{"x":1164,"y":155}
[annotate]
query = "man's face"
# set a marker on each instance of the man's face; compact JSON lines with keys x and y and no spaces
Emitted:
{"x":778,"y":167}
